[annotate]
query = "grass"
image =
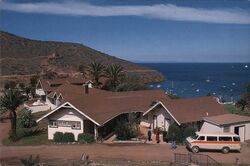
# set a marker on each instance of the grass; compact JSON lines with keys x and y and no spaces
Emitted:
{"x":33,"y":136}
{"x":40,"y":138}
{"x":234,"y":110}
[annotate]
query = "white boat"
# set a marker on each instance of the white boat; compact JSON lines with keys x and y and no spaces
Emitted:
{"x":158,"y":86}
{"x":246,"y":66}
{"x":197,"y":90}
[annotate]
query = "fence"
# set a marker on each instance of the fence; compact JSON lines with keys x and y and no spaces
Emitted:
{"x":195,"y":159}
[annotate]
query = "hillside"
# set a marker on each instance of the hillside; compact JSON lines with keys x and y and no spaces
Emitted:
{"x":21,"y":56}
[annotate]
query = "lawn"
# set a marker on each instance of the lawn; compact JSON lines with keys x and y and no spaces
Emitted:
{"x":31,"y":136}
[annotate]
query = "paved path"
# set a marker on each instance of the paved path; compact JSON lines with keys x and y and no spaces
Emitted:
{"x":136,"y":152}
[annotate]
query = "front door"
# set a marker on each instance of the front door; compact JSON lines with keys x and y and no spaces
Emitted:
{"x":240,"y":130}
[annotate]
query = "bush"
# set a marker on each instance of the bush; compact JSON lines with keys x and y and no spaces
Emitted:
{"x":31,"y":161}
{"x":165,"y":138}
{"x":58,"y":137}
{"x":68,"y":137}
{"x":86,"y":138}
{"x":126,"y":131}
{"x":174,"y":129}
{"x":26,"y":119}
{"x":188,"y":131}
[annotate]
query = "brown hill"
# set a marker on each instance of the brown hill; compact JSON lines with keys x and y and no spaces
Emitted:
{"x":22,"y":56}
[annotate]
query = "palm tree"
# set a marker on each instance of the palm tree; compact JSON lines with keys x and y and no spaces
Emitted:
{"x":114,"y":73}
{"x":96,"y":70}
{"x":9,"y":101}
{"x":82,"y":70}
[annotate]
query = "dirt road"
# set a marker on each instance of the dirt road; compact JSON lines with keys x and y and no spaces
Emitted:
{"x":133,"y":152}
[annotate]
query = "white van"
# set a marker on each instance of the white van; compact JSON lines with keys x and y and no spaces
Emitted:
{"x":221,"y":141}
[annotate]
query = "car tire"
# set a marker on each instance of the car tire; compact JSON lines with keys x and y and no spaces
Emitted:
{"x":195,"y":149}
{"x":225,"y":150}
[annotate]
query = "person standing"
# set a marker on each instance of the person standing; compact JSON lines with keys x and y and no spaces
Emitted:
{"x":174,"y":141}
{"x":149,"y":135}
{"x":157,"y":136}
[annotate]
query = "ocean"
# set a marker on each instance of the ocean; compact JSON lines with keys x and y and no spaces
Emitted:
{"x":224,"y":80}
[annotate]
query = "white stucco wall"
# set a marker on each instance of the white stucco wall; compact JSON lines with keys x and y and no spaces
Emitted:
{"x":66,"y":114}
{"x":161,"y":114}
{"x":211,"y":128}
{"x":40,"y":92}
{"x":51,"y":106}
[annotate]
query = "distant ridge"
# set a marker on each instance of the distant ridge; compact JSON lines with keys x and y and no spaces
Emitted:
{"x":22,"y":56}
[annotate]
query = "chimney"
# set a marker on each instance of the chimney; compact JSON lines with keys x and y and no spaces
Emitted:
{"x":86,"y":87}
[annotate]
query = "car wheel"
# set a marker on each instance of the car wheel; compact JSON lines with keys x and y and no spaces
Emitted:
{"x":195,"y":149}
{"x":225,"y":150}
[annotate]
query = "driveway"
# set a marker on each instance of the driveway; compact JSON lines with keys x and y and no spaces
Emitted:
{"x":132,"y":152}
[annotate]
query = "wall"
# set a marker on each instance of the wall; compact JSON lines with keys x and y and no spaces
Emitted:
{"x":211,"y":128}
{"x":37,"y":108}
{"x":160,"y":114}
{"x":67,"y":114}
{"x":40,"y":92}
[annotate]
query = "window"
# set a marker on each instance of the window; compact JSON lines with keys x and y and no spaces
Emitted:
{"x":226,"y":129}
{"x":201,"y":138}
{"x":72,"y":124}
{"x":211,"y":138}
{"x":225,"y":138}
{"x":53,"y":124}
{"x":195,"y":136}
{"x":237,"y":139}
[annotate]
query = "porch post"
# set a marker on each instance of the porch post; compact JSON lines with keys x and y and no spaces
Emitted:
{"x":96,"y":131}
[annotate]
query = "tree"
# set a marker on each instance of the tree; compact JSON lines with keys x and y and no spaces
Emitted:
{"x":9,"y":101}
{"x":33,"y":83}
{"x":82,"y":70}
{"x":241,"y":103}
{"x":114,"y":73}
{"x":96,"y":70}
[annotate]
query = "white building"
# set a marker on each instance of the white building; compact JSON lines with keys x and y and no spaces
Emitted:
{"x":228,"y":123}
{"x":80,"y":109}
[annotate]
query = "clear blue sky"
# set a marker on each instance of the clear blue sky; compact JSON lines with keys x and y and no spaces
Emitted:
{"x":141,"y":31}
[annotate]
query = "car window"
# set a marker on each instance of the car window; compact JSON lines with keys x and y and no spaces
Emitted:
{"x":237,"y":139}
{"x":195,"y":136}
{"x":225,"y":138}
{"x":211,"y":138}
{"x":201,"y":138}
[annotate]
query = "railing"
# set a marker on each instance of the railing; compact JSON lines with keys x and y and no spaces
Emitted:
{"x":195,"y":159}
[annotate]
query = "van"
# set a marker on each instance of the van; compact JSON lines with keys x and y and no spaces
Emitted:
{"x":221,"y":141}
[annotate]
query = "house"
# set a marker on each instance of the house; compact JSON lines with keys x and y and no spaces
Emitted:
{"x":228,"y":123}
{"x":80,"y":109}
{"x":45,"y":91}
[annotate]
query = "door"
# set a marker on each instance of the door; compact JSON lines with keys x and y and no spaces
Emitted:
{"x":154,"y":121}
{"x":240,"y":130}
{"x":166,"y":124}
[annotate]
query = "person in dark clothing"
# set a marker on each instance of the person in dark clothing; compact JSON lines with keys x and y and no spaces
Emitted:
{"x":174,"y":141}
{"x":149,"y":135}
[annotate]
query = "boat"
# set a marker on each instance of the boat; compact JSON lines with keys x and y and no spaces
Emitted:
{"x":246,"y":66}
{"x":158,"y":86}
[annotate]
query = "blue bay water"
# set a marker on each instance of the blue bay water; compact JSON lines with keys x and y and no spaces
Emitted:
{"x":224,"y":80}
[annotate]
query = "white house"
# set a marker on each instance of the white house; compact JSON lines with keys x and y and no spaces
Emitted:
{"x":80,"y":109}
{"x":228,"y":123}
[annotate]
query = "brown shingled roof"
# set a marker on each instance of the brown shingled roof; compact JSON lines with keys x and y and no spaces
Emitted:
{"x":227,"y":119}
{"x":193,"y":109}
{"x":104,"y":106}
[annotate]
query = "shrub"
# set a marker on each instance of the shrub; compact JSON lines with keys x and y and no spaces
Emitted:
{"x":188,"y":131}
{"x":85,"y":138}
{"x":26,"y":119}
{"x":68,"y":137}
{"x":58,"y":137}
{"x":31,"y":161}
{"x":126,"y":131}
{"x":165,"y":134}
{"x":174,"y":129}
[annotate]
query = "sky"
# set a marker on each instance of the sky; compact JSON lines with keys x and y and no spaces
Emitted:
{"x":141,"y":30}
